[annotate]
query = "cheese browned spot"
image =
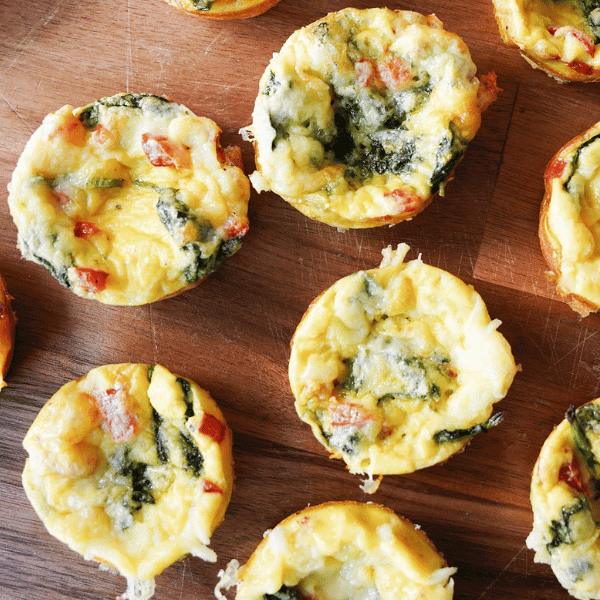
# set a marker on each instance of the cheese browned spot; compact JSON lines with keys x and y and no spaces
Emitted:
{"x":342,"y":550}
{"x":128,"y":200}
{"x":396,"y":368}
{"x":130,"y":466}
{"x":558,"y":36}
{"x":362,"y":116}
{"x":564,"y":498}
{"x":569,"y":231}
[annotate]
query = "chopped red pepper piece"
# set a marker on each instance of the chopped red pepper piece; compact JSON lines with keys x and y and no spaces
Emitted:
{"x":162,"y":152}
{"x":117,"y":411}
{"x":348,"y":414}
{"x":212,"y":427}
{"x":404,"y":201}
{"x":235,"y":227}
{"x":211,"y":487}
{"x":581,"y":67}
{"x":395,"y":73}
{"x":570,"y":473}
{"x":555,"y":169}
{"x":91,"y":280}
{"x":85,"y":229}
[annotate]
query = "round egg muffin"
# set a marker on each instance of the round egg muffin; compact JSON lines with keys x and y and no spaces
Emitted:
{"x":130,"y":199}
{"x":565,"y":487}
{"x":342,"y":550}
{"x":7,"y":331}
{"x":131,"y":466}
{"x":569,"y":228}
{"x":557,"y":36}
{"x":223,"y":9}
{"x":396,"y":368}
{"x":362,"y":116}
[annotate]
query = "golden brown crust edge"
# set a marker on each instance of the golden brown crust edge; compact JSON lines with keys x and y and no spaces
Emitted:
{"x":248,"y":9}
{"x":580,"y":305}
{"x":7,"y":331}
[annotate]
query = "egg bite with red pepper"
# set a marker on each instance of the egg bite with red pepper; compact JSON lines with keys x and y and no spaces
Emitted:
{"x":398,"y":367}
{"x":7,"y":331}
{"x":342,"y":550}
{"x":130,"y":199}
{"x":569,"y":230}
{"x":362,"y":116}
{"x":559,"y":37}
{"x":564,"y":497}
{"x":223,"y":9}
{"x":131,"y":466}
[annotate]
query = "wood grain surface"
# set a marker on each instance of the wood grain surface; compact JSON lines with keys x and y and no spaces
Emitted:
{"x":231,"y":334}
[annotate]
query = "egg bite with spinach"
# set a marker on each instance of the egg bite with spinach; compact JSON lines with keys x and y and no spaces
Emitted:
{"x":565,"y":488}
{"x":342,"y":550}
{"x":559,"y":37}
{"x":130,"y":199}
{"x":569,"y":230}
{"x":131,"y":466}
{"x":397,"y":368}
{"x":362,"y":116}
{"x":7,"y":331}
{"x":223,"y":9}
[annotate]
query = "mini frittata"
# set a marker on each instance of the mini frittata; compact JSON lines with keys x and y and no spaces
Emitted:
{"x":342,"y":550}
{"x":130,"y":199}
{"x":223,"y":9}
{"x":565,"y":488}
{"x":558,"y":36}
{"x":569,"y":228}
{"x":362,"y":116}
{"x":396,"y":368}
{"x":7,"y":331}
{"x":131,"y":466}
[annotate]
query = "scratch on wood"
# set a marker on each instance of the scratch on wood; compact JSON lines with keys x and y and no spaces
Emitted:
{"x":29,"y":37}
{"x":510,"y":562}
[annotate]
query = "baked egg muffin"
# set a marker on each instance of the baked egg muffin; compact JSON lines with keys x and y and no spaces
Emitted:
{"x":565,"y":488}
{"x":130,"y":199}
{"x":558,"y":36}
{"x":223,"y":9}
{"x":131,"y":466}
{"x":362,"y":116}
{"x":396,"y":368}
{"x":569,"y":230}
{"x":7,"y":331}
{"x":342,"y":550}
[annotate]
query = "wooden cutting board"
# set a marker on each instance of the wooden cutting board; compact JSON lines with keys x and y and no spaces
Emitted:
{"x":232,"y":333}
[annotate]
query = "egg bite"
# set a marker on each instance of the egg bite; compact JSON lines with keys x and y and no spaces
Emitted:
{"x":7,"y":331}
{"x":559,"y":37}
{"x":130,"y":199}
{"x":363,"y":115}
{"x":131,"y":466}
{"x":569,"y":231}
{"x":342,"y":550}
{"x":397,"y":368}
{"x":564,"y":497}
{"x":223,"y":9}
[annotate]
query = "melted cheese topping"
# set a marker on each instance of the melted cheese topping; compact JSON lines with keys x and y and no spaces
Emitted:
{"x":363,"y":115}
{"x":343,"y":550}
{"x":558,"y":36}
{"x":566,"y":514}
{"x":129,"y":199}
{"x":130,"y":466}
{"x":570,"y":220}
{"x":391,"y":367}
